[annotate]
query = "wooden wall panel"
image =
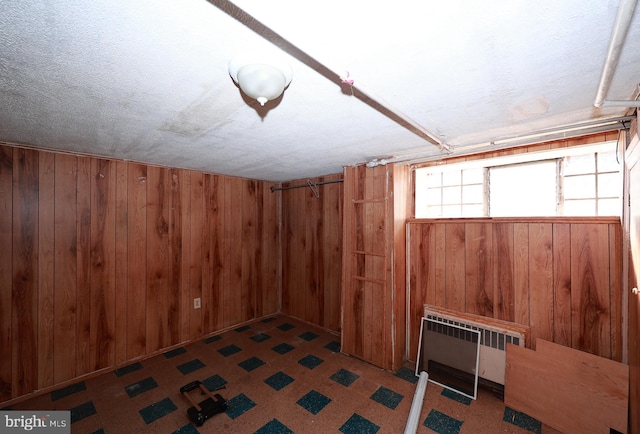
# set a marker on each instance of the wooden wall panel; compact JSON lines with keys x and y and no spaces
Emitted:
{"x":24,"y":325}
{"x":100,"y":261}
{"x":615,"y":297}
{"x":560,"y":276}
{"x":271,"y":258}
{"x":135,"y":295}
{"x":216,"y":226}
{"x":248,"y":242}
{"x":562,"y":284}
{"x":313,"y":259}
{"x":541,"y":281}
{"x":177,"y":200}
{"x":479,"y":296}
{"x":66,"y":263}
{"x":157,"y":259}
{"x":233,"y":238}
{"x":83,"y":296}
{"x":102,"y":273}
{"x":591,"y":329}
{"x":197,"y":258}
{"x":455,"y":272}
{"x":312,"y":251}
{"x":521,"y":273}
{"x":503,"y":276}
{"x":186,"y":303}
{"x":6,"y":271}
{"x":46,"y":269}
{"x":121,"y":260}
{"x":373,"y":292}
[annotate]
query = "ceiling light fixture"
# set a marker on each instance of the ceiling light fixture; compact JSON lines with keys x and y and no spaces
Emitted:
{"x":260,"y":77}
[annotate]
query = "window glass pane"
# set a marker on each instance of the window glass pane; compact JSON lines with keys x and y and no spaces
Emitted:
{"x":580,"y":207}
{"x":530,"y":190}
{"x":431,"y":196}
{"x":472,"y":194}
{"x":523,"y":189}
{"x":451,"y":177}
{"x":578,"y":187}
{"x":609,"y":185}
{"x":607,"y":162}
{"x":424,"y":179}
{"x":431,"y":211}
{"x":578,"y":164}
{"x":451,"y":211}
{"x":451,"y":195}
{"x":473,"y":176}
{"x":472,"y":210}
{"x":609,"y":207}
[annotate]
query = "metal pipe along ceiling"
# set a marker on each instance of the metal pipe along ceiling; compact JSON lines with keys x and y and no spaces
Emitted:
{"x":620,"y":29}
{"x":403,"y":120}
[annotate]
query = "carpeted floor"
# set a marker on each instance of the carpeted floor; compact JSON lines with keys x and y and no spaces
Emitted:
{"x":278,"y":375}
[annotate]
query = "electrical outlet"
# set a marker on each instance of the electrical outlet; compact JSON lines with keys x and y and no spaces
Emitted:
{"x":196,"y":303}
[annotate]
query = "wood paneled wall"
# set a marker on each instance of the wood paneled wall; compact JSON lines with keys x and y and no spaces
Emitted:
{"x":560,"y":276}
{"x":100,"y":261}
{"x":312,"y":252}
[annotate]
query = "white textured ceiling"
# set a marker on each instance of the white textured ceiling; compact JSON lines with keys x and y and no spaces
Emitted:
{"x":147,"y":80}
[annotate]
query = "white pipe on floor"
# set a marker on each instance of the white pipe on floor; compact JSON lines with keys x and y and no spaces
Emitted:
{"x":623,"y":21}
{"x":416,"y":406}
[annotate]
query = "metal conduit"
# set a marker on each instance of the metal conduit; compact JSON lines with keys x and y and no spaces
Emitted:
{"x":620,"y":29}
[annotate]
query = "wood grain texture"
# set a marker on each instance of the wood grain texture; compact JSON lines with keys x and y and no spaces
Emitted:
{"x":233,"y":236}
{"x":216,"y":226}
{"x":558,"y":276}
{"x":591,"y":329}
{"x":136,"y":340}
{"x":196,"y":257}
{"x":541,"y":281}
{"x":502,"y":253}
{"x":186,"y":303}
{"x":570,"y":390}
{"x":46,"y":269}
{"x":177,"y":200}
{"x":248,"y":243}
{"x":615,"y":297}
{"x":66,"y":264}
{"x":562,"y":284}
{"x":521,"y":273}
{"x":100,"y":261}
{"x":371,"y":300}
{"x":479,"y":296}
{"x":312,"y":247}
{"x":455,"y":270}
{"x":121,"y":260}
{"x":6,"y":271}
{"x":102,"y":274}
{"x":83,"y":295}
{"x":24,"y":352}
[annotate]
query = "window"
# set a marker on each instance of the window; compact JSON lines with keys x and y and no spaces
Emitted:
{"x":578,"y":181}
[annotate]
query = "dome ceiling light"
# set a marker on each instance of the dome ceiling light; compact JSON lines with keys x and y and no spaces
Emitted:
{"x":260,"y":77}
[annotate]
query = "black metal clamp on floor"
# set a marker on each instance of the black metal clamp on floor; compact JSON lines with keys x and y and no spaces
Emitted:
{"x":211,"y":406}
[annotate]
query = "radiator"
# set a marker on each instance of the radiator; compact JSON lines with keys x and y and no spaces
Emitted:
{"x":493,"y":339}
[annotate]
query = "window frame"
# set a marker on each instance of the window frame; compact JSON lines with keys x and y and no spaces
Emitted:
{"x":557,"y":154}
